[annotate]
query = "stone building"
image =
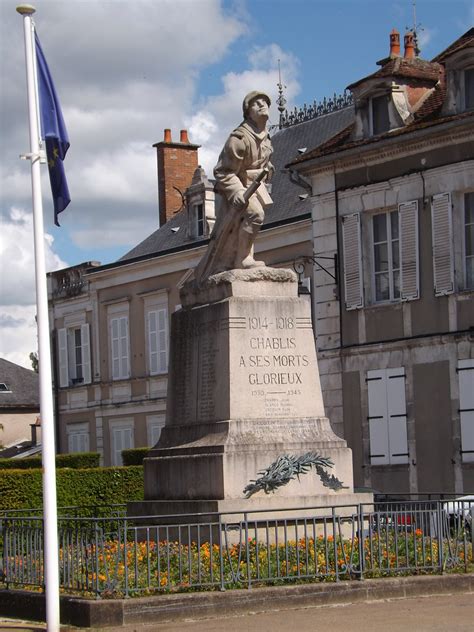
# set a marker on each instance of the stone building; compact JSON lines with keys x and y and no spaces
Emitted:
{"x":393,"y":197}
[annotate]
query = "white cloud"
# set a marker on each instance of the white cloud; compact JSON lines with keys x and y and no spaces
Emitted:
{"x":17,"y":253}
{"x":217,"y":116}
{"x":18,"y":333}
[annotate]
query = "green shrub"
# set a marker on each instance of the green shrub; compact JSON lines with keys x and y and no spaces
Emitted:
{"x":134,"y":456}
{"x":78,"y":460}
{"x":94,"y":486}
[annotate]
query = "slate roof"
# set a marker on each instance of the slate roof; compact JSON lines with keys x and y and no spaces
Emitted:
{"x":23,"y":384}
{"x":462,"y":42}
{"x":287,"y":206}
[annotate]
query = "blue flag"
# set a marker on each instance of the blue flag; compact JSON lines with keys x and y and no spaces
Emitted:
{"x":54,"y":132}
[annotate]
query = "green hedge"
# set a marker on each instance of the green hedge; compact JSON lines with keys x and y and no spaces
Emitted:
{"x":134,"y":456}
{"x":95,"y":486}
{"x":78,"y":461}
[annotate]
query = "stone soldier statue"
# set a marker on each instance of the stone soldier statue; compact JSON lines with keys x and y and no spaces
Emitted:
{"x":243,"y":165}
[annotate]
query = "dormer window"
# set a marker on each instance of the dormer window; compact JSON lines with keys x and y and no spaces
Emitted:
{"x":200,"y":219}
{"x":469,"y":88}
{"x":380,"y":116}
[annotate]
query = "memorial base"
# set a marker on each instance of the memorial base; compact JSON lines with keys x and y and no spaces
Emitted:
{"x":244,"y":391}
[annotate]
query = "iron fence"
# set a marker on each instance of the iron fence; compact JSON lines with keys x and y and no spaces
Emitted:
{"x":118,"y":555}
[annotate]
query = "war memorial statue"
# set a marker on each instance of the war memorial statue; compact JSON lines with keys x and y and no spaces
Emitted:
{"x":245,"y":425}
{"x":241,"y":173}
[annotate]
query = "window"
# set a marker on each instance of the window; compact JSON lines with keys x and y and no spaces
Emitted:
{"x":469,"y":88}
{"x":4,"y":388}
{"x":386,"y":256}
{"x":380,"y":115}
{"x":155,"y":424}
{"x":200,"y":219}
{"x":74,"y":355}
{"x":157,"y":337}
{"x":469,"y":240}
{"x":77,"y":437}
{"x":387,"y":416}
{"x":466,"y":408}
{"x":121,"y":438}
{"x":119,"y":341}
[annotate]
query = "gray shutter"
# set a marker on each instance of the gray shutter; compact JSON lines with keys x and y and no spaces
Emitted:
{"x":466,"y":408}
{"x":408,"y":222}
{"x":378,"y":421}
{"x":351,"y":244}
{"x":86,"y":353}
{"x":397,"y":416}
{"x":442,"y":235}
{"x":63,"y":358}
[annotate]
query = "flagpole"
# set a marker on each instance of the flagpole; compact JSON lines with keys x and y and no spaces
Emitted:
{"x":51,"y":556}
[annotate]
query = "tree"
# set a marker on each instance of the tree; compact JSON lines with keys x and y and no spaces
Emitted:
{"x":34,"y":361}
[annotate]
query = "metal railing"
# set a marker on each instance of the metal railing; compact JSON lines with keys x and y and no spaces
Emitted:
{"x":125,"y":556}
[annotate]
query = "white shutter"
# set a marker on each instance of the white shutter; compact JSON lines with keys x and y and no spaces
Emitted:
{"x":378,"y":423}
{"x":155,"y":424}
{"x":163,"y":339}
{"x":466,"y":408}
{"x":351,"y":244}
{"x":397,"y":416}
{"x":78,"y":438}
{"x":408,"y":223}
{"x":153,"y":342}
{"x":122,"y":439}
{"x":86,"y":354}
{"x":124,"y":361}
{"x":442,"y":236}
{"x":63,"y":355}
{"x":115,"y":344}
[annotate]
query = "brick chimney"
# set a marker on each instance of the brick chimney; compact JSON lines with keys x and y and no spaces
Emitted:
{"x":177,"y":163}
{"x":409,"y":46}
{"x":394,"y":43}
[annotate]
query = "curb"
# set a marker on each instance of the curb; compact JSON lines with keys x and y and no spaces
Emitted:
{"x":177,"y":607}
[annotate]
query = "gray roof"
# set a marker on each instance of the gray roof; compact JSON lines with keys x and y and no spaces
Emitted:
{"x":287,"y":205}
{"x":22,"y":387}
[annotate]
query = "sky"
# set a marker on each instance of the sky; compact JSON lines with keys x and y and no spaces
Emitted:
{"x":125,"y":70}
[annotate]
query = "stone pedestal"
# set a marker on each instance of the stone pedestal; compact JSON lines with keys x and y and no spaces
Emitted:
{"x":243,"y":390}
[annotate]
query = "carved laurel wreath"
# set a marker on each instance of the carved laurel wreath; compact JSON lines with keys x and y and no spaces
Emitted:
{"x":288,"y":467}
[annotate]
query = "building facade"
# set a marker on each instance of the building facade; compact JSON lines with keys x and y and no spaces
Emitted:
{"x":393,"y":199}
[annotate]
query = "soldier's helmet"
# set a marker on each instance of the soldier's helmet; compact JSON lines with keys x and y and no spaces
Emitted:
{"x":251,"y":96}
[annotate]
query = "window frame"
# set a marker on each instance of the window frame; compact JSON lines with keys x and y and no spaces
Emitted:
{"x":376,"y":99}
{"x":466,"y":286}
{"x":387,"y":213}
{"x":67,"y":352}
{"x":157,"y":303}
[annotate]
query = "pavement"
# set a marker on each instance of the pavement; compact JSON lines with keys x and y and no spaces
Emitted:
{"x":433,"y":613}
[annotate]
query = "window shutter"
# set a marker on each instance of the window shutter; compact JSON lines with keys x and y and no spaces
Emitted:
{"x":124,"y":360}
{"x":408,"y":219}
{"x":442,"y":234}
{"x":86,"y":354}
{"x":378,"y":426}
{"x":63,"y":361}
{"x":466,"y":408}
{"x":115,"y":343}
{"x":122,"y":439}
{"x":352,"y":261}
{"x":153,"y":342}
{"x":163,"y":339}
{"x":397,"y":417}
